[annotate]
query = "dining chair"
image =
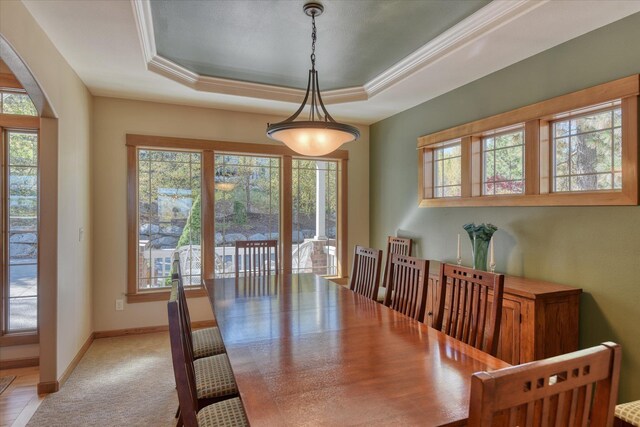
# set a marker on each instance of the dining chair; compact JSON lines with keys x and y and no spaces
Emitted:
{"x":395,"y":245}
{"x":407,"y":285}
{"x":471,"y":308}
{"x":206,"y":341}
{"x":259,"y":257}
{"x":213,"y":377}
{"x":228,"y":412}
{"x":365,"y":271}
{"x":574,"y":389}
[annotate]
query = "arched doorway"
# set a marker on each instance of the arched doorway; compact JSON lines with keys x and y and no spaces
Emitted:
{"x":44,"y":125}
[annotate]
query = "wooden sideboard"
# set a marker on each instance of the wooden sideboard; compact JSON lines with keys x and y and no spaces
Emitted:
{"x":539,"y":319}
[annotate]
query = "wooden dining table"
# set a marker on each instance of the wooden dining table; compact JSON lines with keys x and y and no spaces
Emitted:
{"x":308,"y":352}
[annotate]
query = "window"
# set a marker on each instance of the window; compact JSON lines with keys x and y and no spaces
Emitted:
{"x":19,"y":216}
{"x":587,"y":151}
{"x":15,"y":101}
{"x":197,"y":198}
{"x":169,"y":203}
{"x":315,"y":216}
{"x":447,"y":172}
{"x":503,"y":162}
{"x":247,"y":205}
{"x":573,"y":150}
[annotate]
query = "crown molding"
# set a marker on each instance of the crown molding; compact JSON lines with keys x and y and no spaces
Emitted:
{"x":180,"y":74}
{"x":144,"y":25}
{"x":484,"y":21}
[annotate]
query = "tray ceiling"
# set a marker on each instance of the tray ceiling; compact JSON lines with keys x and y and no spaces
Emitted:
{"x":270,"y":42}
{"x":375,"y":58}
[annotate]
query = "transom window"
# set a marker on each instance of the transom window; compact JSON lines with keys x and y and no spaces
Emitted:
{"x":503,"y":162}
{"x":16,"y":102}
{"x":447,"y":172}
{"x":578,"y":149}
{"x":587,"y":151}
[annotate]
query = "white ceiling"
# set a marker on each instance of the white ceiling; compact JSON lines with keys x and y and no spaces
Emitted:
{"x":111,"y":45}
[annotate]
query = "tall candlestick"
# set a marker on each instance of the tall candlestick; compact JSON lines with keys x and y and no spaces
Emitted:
{"x":458,"y":253}
{"x":491,"y":259}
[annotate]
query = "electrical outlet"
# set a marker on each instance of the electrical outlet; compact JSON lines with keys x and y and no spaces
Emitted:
{"x":119,"y":305}
{"x":80,"y":234}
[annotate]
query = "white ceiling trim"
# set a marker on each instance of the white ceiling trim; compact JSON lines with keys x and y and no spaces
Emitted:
{"x":470,"y":29}
{"x":180,"y":74}
{"x":487,"y":19}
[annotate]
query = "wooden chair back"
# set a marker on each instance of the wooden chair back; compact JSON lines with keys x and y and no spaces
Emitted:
{"x":472,"y":300}
{"x":395,"y":245}
{"x":257,"y":257}
{"x":575,"y":389}
{"x":365,"y":271}
{"x":182,"y":363}
{"x":182,"y":298}
{"x":407,"y":285}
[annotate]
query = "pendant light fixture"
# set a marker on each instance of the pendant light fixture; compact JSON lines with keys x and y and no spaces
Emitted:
{"x":320,"y":134}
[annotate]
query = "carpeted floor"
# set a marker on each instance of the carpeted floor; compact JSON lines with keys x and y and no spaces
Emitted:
{"x":123,"y":381}
{"x":5,"y":381}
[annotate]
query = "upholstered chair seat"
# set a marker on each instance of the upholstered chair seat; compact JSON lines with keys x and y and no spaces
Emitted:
{"x":629,"y":412}
{"x":214,"y":377}
{"x":207,"y":342}
{"x":228,"y":413}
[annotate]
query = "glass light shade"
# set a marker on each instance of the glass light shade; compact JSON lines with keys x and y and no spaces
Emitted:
{"x":315,"y":141}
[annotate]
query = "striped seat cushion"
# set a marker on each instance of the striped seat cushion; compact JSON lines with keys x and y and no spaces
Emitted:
{"x":228,"y":413}
{"x":629,"y":412}
{"x":214,"y":377}
{"x":207,"y":342}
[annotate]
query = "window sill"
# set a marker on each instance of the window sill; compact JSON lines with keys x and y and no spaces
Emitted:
{"x":601,"y":198}
{"x":19,"y":338}
{"x":163,"y":295}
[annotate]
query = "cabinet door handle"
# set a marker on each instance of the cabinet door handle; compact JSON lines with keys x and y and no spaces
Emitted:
{"x":430,"y":313}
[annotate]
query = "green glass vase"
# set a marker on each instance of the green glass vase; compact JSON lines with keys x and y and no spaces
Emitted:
{"x":480,"y":236}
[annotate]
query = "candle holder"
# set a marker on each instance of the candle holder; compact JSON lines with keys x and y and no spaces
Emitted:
{"x":492,"y":267}
{"x":459,"y":261}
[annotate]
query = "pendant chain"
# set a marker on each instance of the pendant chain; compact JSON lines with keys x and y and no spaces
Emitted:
{"x":313,"y":41}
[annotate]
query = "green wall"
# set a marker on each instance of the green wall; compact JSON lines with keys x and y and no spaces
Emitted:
{"x":595,"y":248}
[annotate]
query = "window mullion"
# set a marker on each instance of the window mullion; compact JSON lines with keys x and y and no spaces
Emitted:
{"x":207,"y":188}
{"x":4,"y":282}
{"x":476,"y":166}
{"x":544,"y":155}
{"x":286,"y":219}
{"x":465,"y":162}
{"x":630,"y":148}
{"x":532,"y":157}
